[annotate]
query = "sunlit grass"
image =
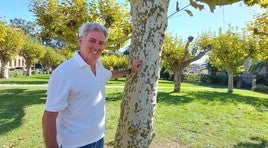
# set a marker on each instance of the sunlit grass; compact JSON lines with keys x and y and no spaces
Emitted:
{"x":198,"y":116}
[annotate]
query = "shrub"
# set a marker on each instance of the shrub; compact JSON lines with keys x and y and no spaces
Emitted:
{"x":220,"y":78}
{"x":166,"y":74}
{"x":260,"y":88}
{"x":262,"y":79}
{"x":191,"y":78}
{"x":16,"y":73}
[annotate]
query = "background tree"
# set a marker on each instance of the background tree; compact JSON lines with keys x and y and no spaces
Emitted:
{"x":51,"y":59}
{"x":229,"y":52}
{"x":115,"y":62}
{"x":11,"y":42}
{"x":178,"y":56}
{"x":258,"y":29}
{"x":28,"y":27}
{"x":3,"y":31}
{"x":61,"y":19}
{"x":32,"y":51}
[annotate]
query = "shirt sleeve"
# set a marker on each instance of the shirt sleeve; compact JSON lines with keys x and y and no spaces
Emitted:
{"x":107,"y":73}
{"x":58,"y":92}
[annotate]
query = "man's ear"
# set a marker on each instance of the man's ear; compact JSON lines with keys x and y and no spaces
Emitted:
{"x":80,"y":40}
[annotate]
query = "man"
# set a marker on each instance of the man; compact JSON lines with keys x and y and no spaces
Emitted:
{"x":75,"y":108}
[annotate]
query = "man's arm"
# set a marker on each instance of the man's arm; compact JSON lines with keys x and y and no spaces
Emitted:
{"x":135,"y":67}
{"x":49,"y":129}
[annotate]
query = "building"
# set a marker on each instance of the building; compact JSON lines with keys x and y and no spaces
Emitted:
{"x":18,"y":62}
{"x":197,"y":68}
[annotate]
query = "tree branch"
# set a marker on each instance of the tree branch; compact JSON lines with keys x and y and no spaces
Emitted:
{"x":201,"y":54}
{"x":120,"y":40}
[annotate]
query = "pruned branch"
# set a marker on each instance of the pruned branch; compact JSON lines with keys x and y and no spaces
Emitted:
{"x":190,"y":39}
{"x":201,"y":54}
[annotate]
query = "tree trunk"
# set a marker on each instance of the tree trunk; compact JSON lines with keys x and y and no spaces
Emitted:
{"x":29,"y":69}
{"x":177,"y":80}
{"x":4,"y":69}
{"x":135,"y":128}
{"x":230,"y":81}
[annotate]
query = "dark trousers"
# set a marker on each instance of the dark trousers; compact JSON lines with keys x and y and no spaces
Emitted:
{"x":98,"y":144}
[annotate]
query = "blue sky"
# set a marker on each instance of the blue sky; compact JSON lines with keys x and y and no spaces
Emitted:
{"x":181,"y":23}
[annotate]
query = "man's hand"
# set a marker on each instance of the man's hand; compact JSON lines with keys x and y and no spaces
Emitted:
{"x":135,"y":66}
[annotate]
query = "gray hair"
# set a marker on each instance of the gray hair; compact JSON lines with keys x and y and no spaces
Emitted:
{"x":85,"y":28}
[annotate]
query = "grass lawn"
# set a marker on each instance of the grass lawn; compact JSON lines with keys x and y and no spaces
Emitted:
{"x":198,"y":116}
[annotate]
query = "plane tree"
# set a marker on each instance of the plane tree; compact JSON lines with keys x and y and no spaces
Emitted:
{"x":229,"y":52}
{"x":61,"y":19}
{"x":32,"y":51}
{"x":178,"y":56}
{"x":11,"y":42}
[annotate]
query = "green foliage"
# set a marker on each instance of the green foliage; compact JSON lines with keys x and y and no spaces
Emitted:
{"x":258,"y":30}
{"x":29,"y":28}
{"x":166,"y":74}
{"x":16,"y":72}
{"x":11,"y":42}
{"x":213,"y":3}
{"x":191,"y":77}
{"x":52,"y":58}
{"x":69,"y":50}
{"x":32,"y":51}
{"x":219,"y":78}
{"x":115,"y":62}
{"x":261,"y":88}
{"x":262,"y":79}
{"x":61,"y":19}
{"x":262,"y":3}
{"x":3,"y":31}
{"x":173,"y":50}
{"x":257,"y":65}
{"x":228,"y":51}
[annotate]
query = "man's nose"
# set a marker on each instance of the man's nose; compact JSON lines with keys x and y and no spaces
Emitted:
{"x":96,"y":46}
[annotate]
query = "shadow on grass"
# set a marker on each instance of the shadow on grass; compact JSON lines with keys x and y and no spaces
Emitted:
{"x":255,"y":142}
{"x":210,"y":85}
{"x":117,"y":81}
{"x":24,"y":82}
{"x":207,"y":97}
{"x":115,"y":96}
{"x":13,"y":102}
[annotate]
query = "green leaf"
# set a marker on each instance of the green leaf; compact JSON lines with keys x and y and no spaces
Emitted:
{"x":189,"y":13}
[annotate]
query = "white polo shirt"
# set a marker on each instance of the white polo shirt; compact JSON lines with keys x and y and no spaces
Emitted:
{"x":79,"y":97}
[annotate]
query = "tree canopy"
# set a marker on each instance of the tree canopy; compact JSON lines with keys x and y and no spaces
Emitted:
{"x":62,"y":19}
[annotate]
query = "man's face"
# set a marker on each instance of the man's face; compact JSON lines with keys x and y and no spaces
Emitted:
{"x":91,"y":46}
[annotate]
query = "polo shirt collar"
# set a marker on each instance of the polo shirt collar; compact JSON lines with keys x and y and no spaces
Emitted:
{"x":79,"y":60}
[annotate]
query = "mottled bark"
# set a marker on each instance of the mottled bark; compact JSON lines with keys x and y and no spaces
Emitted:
{"x":135,"y":128}
{"x":177,"y":80}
